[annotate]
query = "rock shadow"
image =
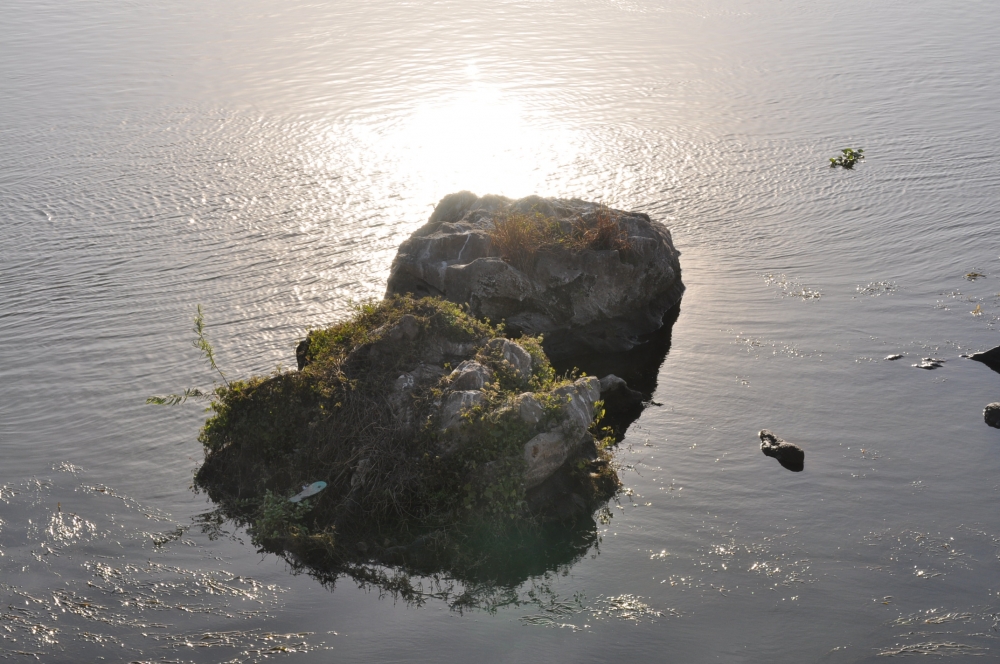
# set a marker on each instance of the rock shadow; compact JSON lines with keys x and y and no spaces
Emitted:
{"x":639,"y":368}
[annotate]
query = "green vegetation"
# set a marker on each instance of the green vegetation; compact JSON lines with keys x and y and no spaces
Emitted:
{"x":363,"y":414}
{"x":848,"y":158}
{"x":201,"y":343}
{"x":519,"y":237}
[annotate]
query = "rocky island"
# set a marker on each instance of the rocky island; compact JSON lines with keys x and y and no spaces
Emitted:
{"x":431,"y":430}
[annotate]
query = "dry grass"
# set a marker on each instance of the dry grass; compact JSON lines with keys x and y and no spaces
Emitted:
{"x":519,"y":237}
{"x":606,"y":233}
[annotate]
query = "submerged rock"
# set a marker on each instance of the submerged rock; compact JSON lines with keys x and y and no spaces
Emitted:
{"x":587,"y":277}
{"x":790,"y":456}
{"x":992,"y":415}
{"x":930,"y":363}
{"x":619,"y":398}
{"x":990,"y":358}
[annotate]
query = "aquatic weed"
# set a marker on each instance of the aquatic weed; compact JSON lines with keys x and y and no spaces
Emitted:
{"x":848,"y":158}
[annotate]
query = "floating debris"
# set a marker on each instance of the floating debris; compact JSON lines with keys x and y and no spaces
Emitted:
{"x":930,"y":363}
{"x":978,"y":311}
{"x":972,"y":276}
{"x":895,"y":356}
{"x":307,"y":491}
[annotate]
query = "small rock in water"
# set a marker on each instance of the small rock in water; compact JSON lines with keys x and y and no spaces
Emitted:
{"x":990,"y":358}
{"x":992,"y":415}
{"x":893,"y":357}
{"x":788,"y":455}
{"x":929,"y":363}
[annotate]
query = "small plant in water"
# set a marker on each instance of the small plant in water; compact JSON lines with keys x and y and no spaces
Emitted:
{"x":201,"y":343}
{"x":848,"y":159}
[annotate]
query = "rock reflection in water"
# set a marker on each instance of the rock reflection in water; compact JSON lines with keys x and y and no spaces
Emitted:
{"x":639,"y":368}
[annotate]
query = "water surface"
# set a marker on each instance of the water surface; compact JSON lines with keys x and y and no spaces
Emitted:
{"x":266,"y":159}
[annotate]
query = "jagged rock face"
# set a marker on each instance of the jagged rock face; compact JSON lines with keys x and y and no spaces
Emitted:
{"x":581,"y":299}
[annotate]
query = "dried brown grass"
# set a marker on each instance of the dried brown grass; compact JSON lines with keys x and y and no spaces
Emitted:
{"x":519,"y":237}
{"x":606,"y":233}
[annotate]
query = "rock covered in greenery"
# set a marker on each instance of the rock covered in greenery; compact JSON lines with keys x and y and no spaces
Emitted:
{"x":431,"y":430}
{"x":588,"y":277}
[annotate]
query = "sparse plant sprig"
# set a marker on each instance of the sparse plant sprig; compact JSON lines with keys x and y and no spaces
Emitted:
{"x":175,"y":399}
{"x":202,"y":344}
{"x":848,"y":158}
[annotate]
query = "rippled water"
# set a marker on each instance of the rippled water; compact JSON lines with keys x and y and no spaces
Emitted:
{"x":266,"y":159}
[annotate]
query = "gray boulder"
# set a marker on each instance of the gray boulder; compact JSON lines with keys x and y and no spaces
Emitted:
{"x":545,"y":453}
{"x":992,"y":414}
{"x":470,"y":375}
{"x":788,"y":455}
{"x":455,"y":405}
{"x":514,"y":354}
{"x":581,"y":299}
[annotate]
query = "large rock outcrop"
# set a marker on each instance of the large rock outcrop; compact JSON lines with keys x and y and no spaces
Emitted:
{"x":582,"y":297}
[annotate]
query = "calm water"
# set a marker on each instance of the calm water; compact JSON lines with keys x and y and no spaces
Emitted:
{"x":266,"y":159}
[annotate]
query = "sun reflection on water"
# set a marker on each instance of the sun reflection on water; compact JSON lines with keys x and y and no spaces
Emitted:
{"x":482,"y":140}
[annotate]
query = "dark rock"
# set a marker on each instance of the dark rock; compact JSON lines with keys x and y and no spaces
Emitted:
{"x":301,"y":353}
{"x":638,"y":367}
{"x":621,"y":399}
{"x":580,"y":299}
{"x":992,"y":415}
{"x":788,"y":455}
{"x":990,"y":358}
